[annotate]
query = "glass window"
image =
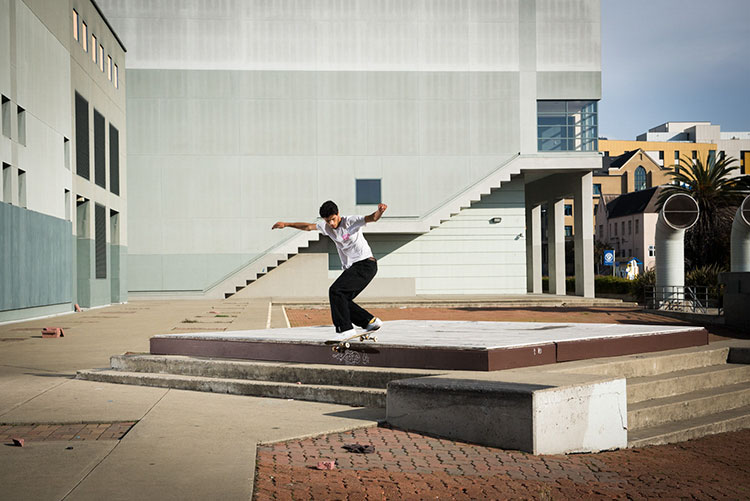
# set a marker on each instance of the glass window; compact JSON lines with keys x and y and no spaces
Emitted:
{"x":101,"y":58}
{"x":109,"y":67}
{"x":75,"y":25}
{"x":597,"y":189}
{"x":93,"y":48}
{"x":677,"y":157}
{"x":640,"y":178}
{"x":21,"y":125}
{"x":651,"y":251}
{"x":630,"y":227}
{"x":596,"y":209}
{"x":567,"y":126}
{"x":84,"y":37}
{"x":637,"y":222}
{"x":368,"y":191}
{"x":711,"y":156}
{"x":114,"y":78}
{"x":568,"y":231}
{"x":568,"y":210}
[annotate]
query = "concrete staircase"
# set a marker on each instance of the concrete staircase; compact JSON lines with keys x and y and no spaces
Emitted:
{"x":697,"y":396}
{"x":278,"y":254}
{"x":355,"y":386}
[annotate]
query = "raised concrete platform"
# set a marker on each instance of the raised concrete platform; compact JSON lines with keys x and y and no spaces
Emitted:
{"x":477,"y":346}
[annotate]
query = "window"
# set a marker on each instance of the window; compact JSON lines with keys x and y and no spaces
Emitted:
{"x":567,"y":126}
{"x":651,"y":251}
{"x":67,"y":205}
{"x":368,"y":191}
{"x":711,"y":156}
{"x":114,"y":160}
{"x":84,"y":37}
{"x":115,"y":78}
{"x":597,"y":189}
{"x":93,"y":48}
{"x":75,"y":25}
{"x":596,"y":209}
{"x":7,"y":184}
{"x":568,"y":210}
{"x":6,"y":116}
{"x":661,"y":157}
{"x":21,"y":125}
{"x":99,"y":151}
{"x":109,"y":67}
{"x":82,"y":136}
{"x":66,"y":152}
{"x":100,"y":241}
{"x":615,"y":229}
{"x":630,"y":227}
{"x":622,"y":228}
{"x":637,"y":223}
{"x":677,"y":157}
{"x":606,"y":153}
{"x":21,"y":188}
{"x":640,"y":178}
{"x":101,"y":58}
{"x":568,"y":231}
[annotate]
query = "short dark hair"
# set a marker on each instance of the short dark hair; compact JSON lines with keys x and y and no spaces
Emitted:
{"x":328,"y":209}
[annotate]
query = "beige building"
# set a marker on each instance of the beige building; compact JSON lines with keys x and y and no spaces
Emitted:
{"x":627,"y":223}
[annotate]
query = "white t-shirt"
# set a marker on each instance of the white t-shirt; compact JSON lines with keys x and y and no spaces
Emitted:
{"x":349,"y":240}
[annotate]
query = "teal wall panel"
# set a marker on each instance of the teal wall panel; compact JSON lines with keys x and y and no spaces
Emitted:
{"x":35,"y":259}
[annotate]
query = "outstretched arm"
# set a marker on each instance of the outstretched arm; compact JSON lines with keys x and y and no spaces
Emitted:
{"x":377,"y":214}
{"x":299,"y":226}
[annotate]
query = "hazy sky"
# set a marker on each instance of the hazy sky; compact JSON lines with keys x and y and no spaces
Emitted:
{"x":674,"y":60}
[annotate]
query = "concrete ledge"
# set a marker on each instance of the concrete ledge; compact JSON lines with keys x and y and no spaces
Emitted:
{"x":536,"y":418}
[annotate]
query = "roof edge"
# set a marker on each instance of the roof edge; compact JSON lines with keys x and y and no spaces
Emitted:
{"x":104,"y":18}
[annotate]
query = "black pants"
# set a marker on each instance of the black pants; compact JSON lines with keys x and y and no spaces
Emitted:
{"x":344,"y":311}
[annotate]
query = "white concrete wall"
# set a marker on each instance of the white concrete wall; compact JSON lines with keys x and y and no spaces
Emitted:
{"x":244,"y":113}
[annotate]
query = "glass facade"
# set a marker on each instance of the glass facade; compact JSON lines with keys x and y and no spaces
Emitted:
{"x":567,"y":126}
{"x":640,"y":178}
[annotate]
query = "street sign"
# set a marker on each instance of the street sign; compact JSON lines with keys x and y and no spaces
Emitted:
{"x":609,"y":257}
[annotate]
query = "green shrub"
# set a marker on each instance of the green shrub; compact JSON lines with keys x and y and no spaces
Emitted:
{"x":638,"y":286}
{"x":605,"y":284}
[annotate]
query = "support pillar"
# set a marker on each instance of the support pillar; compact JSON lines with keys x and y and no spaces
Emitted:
{"x":556,"y":246}
{"x":583,"y":239}
{"x":534,"y":249}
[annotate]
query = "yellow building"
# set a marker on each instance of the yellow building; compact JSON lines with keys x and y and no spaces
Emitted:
{"x":626,"y":164}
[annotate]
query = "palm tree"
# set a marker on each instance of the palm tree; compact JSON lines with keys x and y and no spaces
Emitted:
{"x":718,"y":196}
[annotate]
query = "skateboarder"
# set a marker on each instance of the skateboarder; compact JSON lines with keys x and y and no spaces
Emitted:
{"x":357,"y":260}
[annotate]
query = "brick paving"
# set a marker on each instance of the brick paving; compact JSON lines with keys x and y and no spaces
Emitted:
{"x":413,"y":466}
{"x":64,"y":432}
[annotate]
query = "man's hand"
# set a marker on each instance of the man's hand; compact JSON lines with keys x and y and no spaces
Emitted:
{"x":299,"y":226}
{"x":376,"y":215}
{"x":278,"y":225}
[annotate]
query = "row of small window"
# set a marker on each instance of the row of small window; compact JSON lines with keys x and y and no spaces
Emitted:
{"x":567,"y":126}
{"x":83,"y":161}
{"x":89,"y":44}
{"x":7,"y":185}
{"x":7,"y":106}
{"x":613,"y":228}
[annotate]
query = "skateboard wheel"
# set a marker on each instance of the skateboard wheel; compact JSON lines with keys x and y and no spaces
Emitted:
{"x":346,"y":345}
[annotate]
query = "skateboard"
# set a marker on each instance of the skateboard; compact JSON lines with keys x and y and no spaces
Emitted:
{"x":342,"y":344}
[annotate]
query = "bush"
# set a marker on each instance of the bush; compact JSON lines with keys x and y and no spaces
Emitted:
{"x":604,"y":284}
{"x":704,"y":275}
{"x":638,"y":286}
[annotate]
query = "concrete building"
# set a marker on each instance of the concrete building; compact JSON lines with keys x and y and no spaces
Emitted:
{"x":63,"y":215}
{"x":464,"y":117}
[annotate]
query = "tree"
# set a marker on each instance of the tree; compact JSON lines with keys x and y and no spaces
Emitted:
{"x":718,"y":196}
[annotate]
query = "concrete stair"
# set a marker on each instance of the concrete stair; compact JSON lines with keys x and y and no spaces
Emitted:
{"x":355,"y":386}
{"x":686,"y":395}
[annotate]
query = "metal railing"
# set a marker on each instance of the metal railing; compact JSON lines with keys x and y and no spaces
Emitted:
{"x":694,"y":298}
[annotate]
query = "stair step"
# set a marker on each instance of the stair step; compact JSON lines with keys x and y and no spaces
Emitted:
{"x":679,"y":382}
{"x":679,"y":431}
{"x":652,"y":364}
{"x":661,"y":411}
{"x":345,"y":395}
{"x":284,"y":372}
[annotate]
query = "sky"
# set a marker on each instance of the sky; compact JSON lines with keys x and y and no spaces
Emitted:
{"x":674,"y":60}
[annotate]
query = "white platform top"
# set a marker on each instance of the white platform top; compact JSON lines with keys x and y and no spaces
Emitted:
{"x":450,"y":334}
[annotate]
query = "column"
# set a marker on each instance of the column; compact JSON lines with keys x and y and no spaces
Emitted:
{"x":583,"y":239}
{"x":534,"y":249}
{"x":556,"y":246}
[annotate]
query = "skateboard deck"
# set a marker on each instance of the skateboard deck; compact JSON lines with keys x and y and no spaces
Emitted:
{"x":343,"y":344}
